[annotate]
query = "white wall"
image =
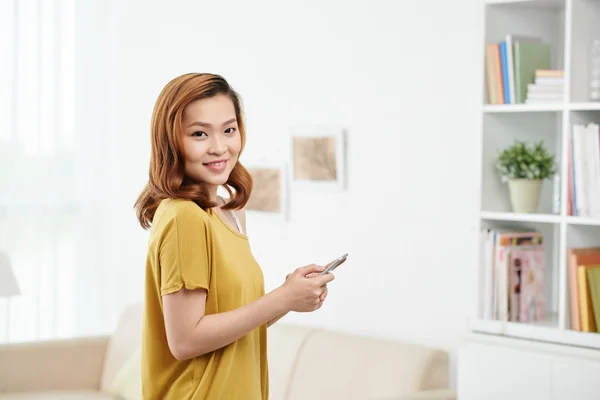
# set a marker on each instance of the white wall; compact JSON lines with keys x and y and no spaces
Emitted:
{"x":403,"y":77}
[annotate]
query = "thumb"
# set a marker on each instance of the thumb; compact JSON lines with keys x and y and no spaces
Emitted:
{"x":308,"y":269}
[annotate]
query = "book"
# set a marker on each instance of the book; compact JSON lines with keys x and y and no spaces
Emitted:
{"x":510,"y":41}
{"x":593,"y":277}
{"x":527,"y":284}
{"x":494,"y":74}
{"x":584,"y":170}
{"x":507,"y":254}
{"x":575,"y":258}
{"x":529,"y":57}
{"x":586,"y":313}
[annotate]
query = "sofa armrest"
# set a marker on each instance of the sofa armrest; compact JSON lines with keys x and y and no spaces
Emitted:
{"x":66,"y":364}
{"x":432,"y":394}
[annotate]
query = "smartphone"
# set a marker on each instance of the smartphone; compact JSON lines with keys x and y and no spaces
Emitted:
{"x":334,"y":264}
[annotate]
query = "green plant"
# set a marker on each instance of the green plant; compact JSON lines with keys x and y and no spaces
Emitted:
{"x":524,"y":160}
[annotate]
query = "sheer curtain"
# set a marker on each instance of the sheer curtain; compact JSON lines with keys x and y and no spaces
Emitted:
{"x":39,"y":206}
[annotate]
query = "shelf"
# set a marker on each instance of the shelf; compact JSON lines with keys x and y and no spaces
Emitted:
{"x":583,"y":221}
{"x":533,"y":108}
{"x":541,"y":218}
{"x":584,"y":106}
{"x":544,"y":331}
{"x":517,"y":329}
{"x":528,"y":3}
{"x":522,"y":108}
{"x":509,"y":216}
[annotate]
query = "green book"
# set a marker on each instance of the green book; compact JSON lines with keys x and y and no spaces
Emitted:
{"x":529,"y":57}
{"x":593,"y":278}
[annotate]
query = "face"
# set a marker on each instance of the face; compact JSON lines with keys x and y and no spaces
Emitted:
{"x":211,"y":140}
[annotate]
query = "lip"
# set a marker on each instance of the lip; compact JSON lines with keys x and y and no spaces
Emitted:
{"x":214,"y":166}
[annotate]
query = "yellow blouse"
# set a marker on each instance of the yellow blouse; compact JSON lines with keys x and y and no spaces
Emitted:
{"x":193,"y":248}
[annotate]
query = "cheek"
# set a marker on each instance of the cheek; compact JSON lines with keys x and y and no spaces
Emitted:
{"x":194,"y":151}
{"x":238,"y":143}
{"x":235,"y":145}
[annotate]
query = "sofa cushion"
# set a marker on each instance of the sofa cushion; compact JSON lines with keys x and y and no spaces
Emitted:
{"x":123,"y":343}
{"x":283,"y":345}
{"x":59,"y":395}
{"x":342,"y":366}
{"x":128,"y":381}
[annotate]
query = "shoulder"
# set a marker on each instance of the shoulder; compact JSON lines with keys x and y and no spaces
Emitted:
{"x":179,"y":220}
{"x":180,"y":211}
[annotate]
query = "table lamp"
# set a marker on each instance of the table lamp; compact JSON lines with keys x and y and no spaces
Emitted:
{"x":8,"y":282}
{"x":8,"y":285}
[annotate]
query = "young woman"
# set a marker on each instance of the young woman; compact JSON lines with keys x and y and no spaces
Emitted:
{"x":206,"y":311}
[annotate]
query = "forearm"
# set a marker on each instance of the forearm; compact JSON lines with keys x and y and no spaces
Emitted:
{"x":277,"y":318}
{"x":214,"y":331}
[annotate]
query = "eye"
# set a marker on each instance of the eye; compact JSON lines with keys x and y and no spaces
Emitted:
{"x":229,"y":131}
{"x":198,"y":134}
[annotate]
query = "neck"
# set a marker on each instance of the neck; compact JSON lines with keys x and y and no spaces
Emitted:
{"x":212,"y":192}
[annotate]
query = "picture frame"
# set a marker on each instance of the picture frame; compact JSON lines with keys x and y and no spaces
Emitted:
{"x":318,"y":157}
{"x":270,"y":193}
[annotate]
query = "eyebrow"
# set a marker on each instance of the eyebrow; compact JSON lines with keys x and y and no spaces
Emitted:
{"x":206,"y":124}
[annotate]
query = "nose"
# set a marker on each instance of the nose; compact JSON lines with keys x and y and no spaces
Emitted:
{"x":217,"y":146}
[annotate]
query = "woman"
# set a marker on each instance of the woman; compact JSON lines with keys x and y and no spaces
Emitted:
{"x":206,"y":311}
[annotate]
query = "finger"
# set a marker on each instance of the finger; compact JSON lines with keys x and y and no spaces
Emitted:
{"x":312,"y":275}
{"x":307,"y":269}
{"x":323,"y":295}
{"x":322,"y":280}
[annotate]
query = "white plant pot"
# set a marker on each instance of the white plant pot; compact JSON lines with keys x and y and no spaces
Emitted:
{"x":525,"y":194}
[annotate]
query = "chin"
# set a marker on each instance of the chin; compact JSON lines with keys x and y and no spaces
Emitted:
{"x":215,"y":180}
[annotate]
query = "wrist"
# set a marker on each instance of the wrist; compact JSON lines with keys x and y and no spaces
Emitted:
{"x":280,"y":300}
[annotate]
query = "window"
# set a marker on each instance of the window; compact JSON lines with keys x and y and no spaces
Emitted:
{"x":38,"y":183}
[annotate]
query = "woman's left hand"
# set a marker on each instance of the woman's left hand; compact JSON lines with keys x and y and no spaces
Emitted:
{"x":323,"y":295}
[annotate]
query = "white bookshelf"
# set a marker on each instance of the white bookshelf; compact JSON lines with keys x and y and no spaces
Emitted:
{"x":569,"y":26}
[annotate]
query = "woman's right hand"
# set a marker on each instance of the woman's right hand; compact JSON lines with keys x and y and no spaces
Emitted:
{"x":303,"y":294}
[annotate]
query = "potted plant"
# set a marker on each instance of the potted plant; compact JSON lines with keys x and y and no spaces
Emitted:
{"x":525,"y":166}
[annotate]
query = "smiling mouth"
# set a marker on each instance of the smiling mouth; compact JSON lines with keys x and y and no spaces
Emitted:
{"x":216,"y":164}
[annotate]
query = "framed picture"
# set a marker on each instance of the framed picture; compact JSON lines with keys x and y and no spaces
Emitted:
{"x":318,"y":156}
{"x":270,"y":190}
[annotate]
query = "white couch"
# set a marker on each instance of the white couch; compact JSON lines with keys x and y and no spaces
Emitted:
{"x":304,"y":364}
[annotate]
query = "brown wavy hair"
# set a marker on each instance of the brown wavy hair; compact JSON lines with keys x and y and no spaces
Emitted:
{"x":166,"y":176}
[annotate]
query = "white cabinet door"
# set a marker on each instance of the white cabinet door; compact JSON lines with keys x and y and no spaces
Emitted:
{"x":576,"y":380}
{"x":500,"y":373}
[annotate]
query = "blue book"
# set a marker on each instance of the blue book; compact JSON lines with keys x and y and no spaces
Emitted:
{"x":505,"y":80}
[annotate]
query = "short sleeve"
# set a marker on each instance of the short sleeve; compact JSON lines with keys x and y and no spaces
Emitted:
{"x":184,"y":254}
